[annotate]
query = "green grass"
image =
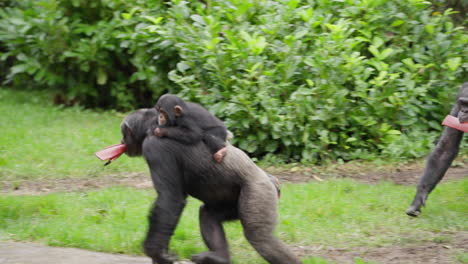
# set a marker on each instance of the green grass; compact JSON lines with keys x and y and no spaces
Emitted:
{"x":462,"y":257}
{"x":40,"y":140}
{"x":337,"y":213}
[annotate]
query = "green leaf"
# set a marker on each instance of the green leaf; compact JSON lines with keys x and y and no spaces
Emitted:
{"x":260,"y":45}
{"x":101,"y":76}
{"x":333,"y":28}
{"x":377,"y":42}
{"x":182,"y":66}
{"x":18,"y":69}
{"x":374,"y":51}
{"x":199,"y":19}
{"x":385,"y":53}
{"x":397,"y":23}
{"x":153,"y":20}
{"x":454,"y":63}
{"x":293,"y":3}
{"x":429,"y":29}
{"x":271,"y":146}
{"x":127,"y":15}
{"x":394,"y":132}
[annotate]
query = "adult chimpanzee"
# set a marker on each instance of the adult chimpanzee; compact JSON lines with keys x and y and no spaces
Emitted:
{"x":190,"y":123}
{"x":233,"y":189}
{"x":443,"y":154}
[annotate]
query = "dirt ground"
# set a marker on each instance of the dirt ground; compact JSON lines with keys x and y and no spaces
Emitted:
{"x":405,"y":175}
{"x":425,"y":252}
{"x":421,"y":253}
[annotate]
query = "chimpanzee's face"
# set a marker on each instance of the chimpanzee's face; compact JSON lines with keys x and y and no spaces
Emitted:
{"x":132,"y":137}
{"x":463,"y":104}
{"x":132,"y":147}
{"x":162,"y":117}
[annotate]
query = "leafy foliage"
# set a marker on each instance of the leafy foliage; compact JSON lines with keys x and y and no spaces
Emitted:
{"x":294,"y":80}
{"x":74,"y":47}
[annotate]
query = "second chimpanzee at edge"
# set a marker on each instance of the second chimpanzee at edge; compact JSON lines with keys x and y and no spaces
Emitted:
{"x":189,"y":123}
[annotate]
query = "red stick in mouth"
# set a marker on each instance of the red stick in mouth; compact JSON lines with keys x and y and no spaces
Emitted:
{"x":453,"y":122}
{"x":111,"y":153}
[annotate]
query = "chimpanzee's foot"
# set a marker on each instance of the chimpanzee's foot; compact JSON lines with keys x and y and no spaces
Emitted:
{"x":218,"y":156}
{"x":418,"y":202}
{"x":413,"y":211}
{"x":210,"y":257}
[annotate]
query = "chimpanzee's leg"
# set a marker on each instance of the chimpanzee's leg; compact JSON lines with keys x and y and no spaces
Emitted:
{"x":215,"y":139}
{"x":258,"y":213}
{"x":213,"y":234}
{"x":437,"y":164}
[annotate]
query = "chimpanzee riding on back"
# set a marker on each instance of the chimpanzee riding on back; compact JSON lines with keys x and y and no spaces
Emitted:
{"x":189,"y":123}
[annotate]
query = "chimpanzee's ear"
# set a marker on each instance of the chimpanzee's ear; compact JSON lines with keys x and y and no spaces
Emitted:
{"x":178,"y":110}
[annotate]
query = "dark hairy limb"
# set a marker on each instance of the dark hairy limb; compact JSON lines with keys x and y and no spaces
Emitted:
{"x":259,"y":221}
{"x":163,"y":220}
{"x":211,"y":226}
{"x":215,"y":140}
{"x":167,"y":209}
{"x":437,"y":165}
{"x":442,"y":156}
{"x":184,"y":135}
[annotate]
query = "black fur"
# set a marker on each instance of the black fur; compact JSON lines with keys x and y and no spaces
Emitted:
{"x":194,"y":124}
{"x":443,"y":154}
{"x":233,"y":189}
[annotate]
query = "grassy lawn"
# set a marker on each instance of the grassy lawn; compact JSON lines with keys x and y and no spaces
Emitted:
{"x":40,"y":140}
{"x":337,"y":213}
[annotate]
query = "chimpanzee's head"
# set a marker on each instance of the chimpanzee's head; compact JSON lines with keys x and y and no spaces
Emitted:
{"x":170,"y":107}
{"x":463,"y":103}
{"x":134,"y":129}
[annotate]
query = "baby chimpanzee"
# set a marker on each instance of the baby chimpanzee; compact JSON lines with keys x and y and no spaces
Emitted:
{"x":189,"y":123}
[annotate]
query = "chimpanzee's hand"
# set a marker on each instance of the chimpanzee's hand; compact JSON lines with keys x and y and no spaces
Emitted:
{"x":159,"y":132}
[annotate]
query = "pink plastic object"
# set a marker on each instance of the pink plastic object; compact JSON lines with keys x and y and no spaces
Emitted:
{"x":451,"y":121}
{"x":111,"y":153}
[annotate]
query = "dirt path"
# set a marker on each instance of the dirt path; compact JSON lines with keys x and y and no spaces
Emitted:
{"x":406,"y":175}
{"x":423,"y":253}
{"x":28,"y":253}
{"x":420,"y":253}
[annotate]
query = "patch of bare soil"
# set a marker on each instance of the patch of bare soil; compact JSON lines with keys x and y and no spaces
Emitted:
{"x":42,"y":186}
{"x":426,"y":252}
{"x":31,"y":253}
{"x":407,"y":175}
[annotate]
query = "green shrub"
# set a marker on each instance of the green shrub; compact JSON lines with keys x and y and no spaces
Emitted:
{"x":74,"y":48}
{"x":294,"y":80}
{"x":319,"y":80}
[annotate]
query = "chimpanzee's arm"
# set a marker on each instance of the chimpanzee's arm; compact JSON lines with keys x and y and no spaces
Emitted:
{"x":163,"y":220}
{"x":165,"y":213}
{"x":186,"y":133}
{"x":215,"y":138}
